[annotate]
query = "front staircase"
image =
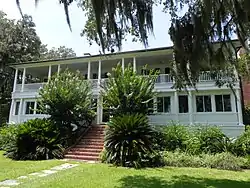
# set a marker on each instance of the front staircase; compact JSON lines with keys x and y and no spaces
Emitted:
{"x":89,"y":147}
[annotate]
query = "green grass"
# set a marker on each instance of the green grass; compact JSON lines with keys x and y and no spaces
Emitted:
{"x":105,"y":176}
{"x":10,"y":169}
{"x":101,"y":175}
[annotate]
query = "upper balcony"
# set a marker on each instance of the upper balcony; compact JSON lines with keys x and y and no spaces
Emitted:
{"x":164,"y":82}
{"x":32,"y":76}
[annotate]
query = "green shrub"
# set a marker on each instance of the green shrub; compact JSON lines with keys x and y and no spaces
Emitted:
{"x":67,"y":98}
{"x":183,"y":159}
{"x":7,"y":134}
{"x":126,"y":92}
{"x":158,"y":137}
{"x":35,"y":139}
{"x":176,"y":137}
{"x":212,"y":140}
{"x":128,"y":140}
{"x":225,"y":161}
{"x":241,"y":147}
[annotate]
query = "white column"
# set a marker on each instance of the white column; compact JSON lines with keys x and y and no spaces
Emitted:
{"x":239,"y":107}
{"x":134,"y":64}
{"x":213,"y":103}
{"x":23,"y":79}
{"x":99,"y":110}
{"x":176,"y":102}
{"x":15,"y":80}
{"x":58,"y":69}
{"x":89,"y":69}
{"x":100,"y":72}
{"x":35,"y":107}
{"x":123,"y":64}
{"x":20,"y":111}
{"x":49,"y":73}
{"x":11,"y":110}
{"x":190,"y":107}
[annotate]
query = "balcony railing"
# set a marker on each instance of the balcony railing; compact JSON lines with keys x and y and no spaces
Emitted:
{"x":162,"y":78}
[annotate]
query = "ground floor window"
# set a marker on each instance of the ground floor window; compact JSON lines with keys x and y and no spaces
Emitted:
{"x":163,"y":104}
{"x":183,"y":104}
{"x":17,"y":106}
{"x":30,"y":107}
{"x":203,"y":103}
{"x":223,"y":103}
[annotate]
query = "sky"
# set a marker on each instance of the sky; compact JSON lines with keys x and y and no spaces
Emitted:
{"x":53,"y":30}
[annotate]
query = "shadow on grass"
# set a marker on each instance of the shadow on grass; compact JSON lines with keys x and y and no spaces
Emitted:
{"x":179,"y":182}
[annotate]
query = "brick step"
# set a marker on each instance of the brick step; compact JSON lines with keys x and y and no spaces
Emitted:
{"x":99,"y":146}
{"x":95,"y":134}
{"x":86,"y":149}
{"x":91,"y":140}
{"x":79,"y":157}
{"x":97,"y":139}
{"x":93,"y":137}
{"x":83,"y":153}
{"x":84,"y":144}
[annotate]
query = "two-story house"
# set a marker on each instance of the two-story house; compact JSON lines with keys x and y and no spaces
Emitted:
{"x":209,"y":104}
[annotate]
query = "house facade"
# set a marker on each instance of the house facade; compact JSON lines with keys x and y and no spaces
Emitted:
{"x":207,"y":104}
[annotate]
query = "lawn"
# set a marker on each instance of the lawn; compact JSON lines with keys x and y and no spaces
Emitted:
{"x":105,"y":176}
{"x":12,"y":169}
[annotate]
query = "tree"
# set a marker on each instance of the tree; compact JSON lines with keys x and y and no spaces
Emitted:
{"x":67,"y":98}
{"x":18,"y":43}
{"x":193,"y":34}
{"x":56,"y":53}
{"x":128,"y":93}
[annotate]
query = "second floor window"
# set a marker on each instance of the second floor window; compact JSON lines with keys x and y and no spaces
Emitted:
{"x":203,"y":103}
{"x":30,"y":107}
{"x":223,"y":103}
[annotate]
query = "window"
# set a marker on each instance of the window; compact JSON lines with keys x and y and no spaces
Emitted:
{"x":167,"y":70}
{"x":223,"y":103}
{"x":183,"y":104}
{"x":163,"y":104}
{"x":203,"y":103}
{"x":30,"y":107}
{"x":17,"y":107}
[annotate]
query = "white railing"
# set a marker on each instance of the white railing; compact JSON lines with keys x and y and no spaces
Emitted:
{"x":29,"y":87}
{"x":164,"y":78}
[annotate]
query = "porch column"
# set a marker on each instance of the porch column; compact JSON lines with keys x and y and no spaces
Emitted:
{"x":11,"y":110}
{"x":190,"y":107}
{"x":15,"y":80}
{"x":23,"y":79}
{"x":100,"y":72}
{"x":20,"y":111}
{"x":89,"y":69}
{"x":49,"y":73}
{"x":35,"y":108}
{"x":99,"y":110}
{"x":176,"y":101}
{"x":123,"y":64}
{"x":238,"y":101}
{"x":134,"y":64}
{"x":58,"y":69}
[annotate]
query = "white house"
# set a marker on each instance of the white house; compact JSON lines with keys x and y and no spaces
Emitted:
{"x":206,"y":105}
